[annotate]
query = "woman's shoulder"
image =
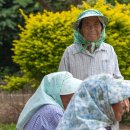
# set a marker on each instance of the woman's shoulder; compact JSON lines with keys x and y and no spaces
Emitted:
{"x":48,"y":111}
{"x":107,"y":46}
{"x":73,"y":48}
{"x":51,"y":113}
{"x":44,"y":116}
{"x":49,"y":108}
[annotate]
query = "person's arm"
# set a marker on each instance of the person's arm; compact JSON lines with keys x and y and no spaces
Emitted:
{"x":64,"y":63}
{"x":52,"y":118}
{"x":127,"y":105}
{"x":46,"y":118}
{"x":117,"y":73}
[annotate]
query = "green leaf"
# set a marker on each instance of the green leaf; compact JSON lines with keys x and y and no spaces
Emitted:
{"x":23,"y":3}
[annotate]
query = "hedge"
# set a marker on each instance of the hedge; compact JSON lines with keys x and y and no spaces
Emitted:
{"x":45,"y":36}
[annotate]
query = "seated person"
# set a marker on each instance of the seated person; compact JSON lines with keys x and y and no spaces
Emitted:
{"x":46,"y":106}
{"x":98,"y":104}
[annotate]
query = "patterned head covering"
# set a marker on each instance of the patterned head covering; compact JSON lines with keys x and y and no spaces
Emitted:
{"x":90,"y":108}
{"x":49,"y":91}
{"x":79,"y":38}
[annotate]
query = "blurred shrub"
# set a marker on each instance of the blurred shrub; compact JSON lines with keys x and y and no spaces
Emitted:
{"x":9,"y":18}
{"x":43,"y":40}
{"x":45,"y":36}
{"x":16,"y":82}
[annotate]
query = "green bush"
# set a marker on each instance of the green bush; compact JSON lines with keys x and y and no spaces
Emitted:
{"x":45,"y":36}
{"x":118,"y":35}
{"x":16,"y":82}
{"x":43,"y":40}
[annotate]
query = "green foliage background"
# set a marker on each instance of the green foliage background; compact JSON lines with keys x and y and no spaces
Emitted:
{"x":45,"y":36}
{"x":43,"y":41}
{"x":9,"y":18}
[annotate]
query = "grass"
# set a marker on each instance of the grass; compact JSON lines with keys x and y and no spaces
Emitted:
{"x":7,"y":127}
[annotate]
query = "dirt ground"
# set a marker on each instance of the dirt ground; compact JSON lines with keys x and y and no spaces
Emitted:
{"x":124,"y":127}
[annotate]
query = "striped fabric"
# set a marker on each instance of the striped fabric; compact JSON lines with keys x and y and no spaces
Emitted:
{"x":85,"y":64}
{"x":46,"y":118}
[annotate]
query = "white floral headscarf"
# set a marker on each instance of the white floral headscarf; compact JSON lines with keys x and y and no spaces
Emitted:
{"x":90,"y":108}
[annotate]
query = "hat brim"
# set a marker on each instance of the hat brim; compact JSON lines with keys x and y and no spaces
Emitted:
{"x":75,"y":25}
{"x":70,"y":86}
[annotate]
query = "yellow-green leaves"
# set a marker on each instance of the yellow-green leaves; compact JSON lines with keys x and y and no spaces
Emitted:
{"x":46,"y":35}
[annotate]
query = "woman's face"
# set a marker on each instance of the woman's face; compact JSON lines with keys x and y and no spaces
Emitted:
{"x":91,"y":28}
{"x":119,"y":109}
{"x":66,"y":99}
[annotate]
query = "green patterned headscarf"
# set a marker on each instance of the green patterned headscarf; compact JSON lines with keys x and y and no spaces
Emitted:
{"x":79,"y":38}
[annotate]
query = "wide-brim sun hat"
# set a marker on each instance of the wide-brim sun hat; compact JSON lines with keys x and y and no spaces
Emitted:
{"x":70,"y":86}
{"x":88,"y":13}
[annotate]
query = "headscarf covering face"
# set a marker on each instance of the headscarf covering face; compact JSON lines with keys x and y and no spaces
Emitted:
{"x":90,"y":108}
{"x":49,"y":91}
{"x":79,"y":38}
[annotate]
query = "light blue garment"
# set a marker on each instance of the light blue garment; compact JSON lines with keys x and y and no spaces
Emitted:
{"x":49,"y":91}
{"x":90,"y":107}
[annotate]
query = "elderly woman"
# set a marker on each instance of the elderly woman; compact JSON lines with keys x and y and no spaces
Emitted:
{"x":98,"y":105}
{"x":90,"y":55}
{"x":45,"y":108}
